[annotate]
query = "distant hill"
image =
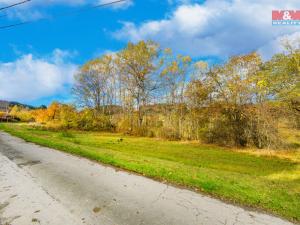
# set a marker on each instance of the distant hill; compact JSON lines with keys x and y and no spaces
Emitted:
{"x":7,"y":104}
{"x":11,"y":104}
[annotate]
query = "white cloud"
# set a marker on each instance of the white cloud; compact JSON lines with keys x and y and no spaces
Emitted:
{"x":275,"y":46}
{"x":30,"y":78}
{"x":25,"y":15}
{"x":214,"y":28}
{"x":35,"y":9}
{"x":175,"y":2}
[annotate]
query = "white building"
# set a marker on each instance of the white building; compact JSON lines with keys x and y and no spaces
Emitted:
{"x":4,"y":106}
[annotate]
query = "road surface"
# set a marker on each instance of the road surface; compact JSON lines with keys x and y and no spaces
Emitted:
{"x":43,"y":186}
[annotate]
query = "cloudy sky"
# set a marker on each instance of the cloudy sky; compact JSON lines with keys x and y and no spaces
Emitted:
{"x":38,"y":60}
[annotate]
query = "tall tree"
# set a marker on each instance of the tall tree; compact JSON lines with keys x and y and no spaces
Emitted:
{"x":138,"y":65}
{"x":282,"y":77}
{"x":93,"y":85}
{"x":175,"y":76}
{"x":237,"y":95}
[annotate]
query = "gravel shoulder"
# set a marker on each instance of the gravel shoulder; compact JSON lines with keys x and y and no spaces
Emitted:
{"x":39,"y":185}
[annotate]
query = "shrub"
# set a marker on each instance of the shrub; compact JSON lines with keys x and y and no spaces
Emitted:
{"x":245,"y":126}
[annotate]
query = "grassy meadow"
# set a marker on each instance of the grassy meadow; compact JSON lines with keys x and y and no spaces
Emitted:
{"x":262,"y":179}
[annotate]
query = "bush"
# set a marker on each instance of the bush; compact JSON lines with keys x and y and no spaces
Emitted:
{"x":90,"y":120}
{"x":245,"y":126}
{"x":170,"y":134}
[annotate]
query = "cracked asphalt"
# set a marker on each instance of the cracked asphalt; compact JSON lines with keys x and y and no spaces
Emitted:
{"x":43,"y":186}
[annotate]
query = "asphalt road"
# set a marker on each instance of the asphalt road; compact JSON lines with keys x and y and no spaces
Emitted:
{"x":43,"y":186}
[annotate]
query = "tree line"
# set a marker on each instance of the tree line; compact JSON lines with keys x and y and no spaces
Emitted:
{"x":149,"y":91}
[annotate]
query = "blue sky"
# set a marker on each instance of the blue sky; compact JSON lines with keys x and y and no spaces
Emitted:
{"x":38,"y":60}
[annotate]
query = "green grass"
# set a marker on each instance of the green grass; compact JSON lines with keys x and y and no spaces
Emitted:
{"x":264,"y":181}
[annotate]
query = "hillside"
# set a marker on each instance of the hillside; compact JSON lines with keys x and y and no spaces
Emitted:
{"x":8,"y":104}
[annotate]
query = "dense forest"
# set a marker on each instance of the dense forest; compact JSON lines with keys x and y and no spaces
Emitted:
{"x":145,"y":90}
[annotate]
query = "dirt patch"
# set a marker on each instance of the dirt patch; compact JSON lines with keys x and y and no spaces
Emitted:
{"x":35,"y":220}
{"x":96,"y":209}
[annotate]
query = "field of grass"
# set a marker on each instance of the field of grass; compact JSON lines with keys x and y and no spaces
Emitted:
{"x":267,"y":180}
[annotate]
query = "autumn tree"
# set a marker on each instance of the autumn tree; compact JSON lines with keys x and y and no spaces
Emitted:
{"x":21,"y":113}
{"x":282,"y":78}
{"x":68,"y":116}
{"x":137,"y":66}
{"x":175,"y":76}
{"x":93,"y":84}
{"x":239,"y":98}
{"x":144,"y":90}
